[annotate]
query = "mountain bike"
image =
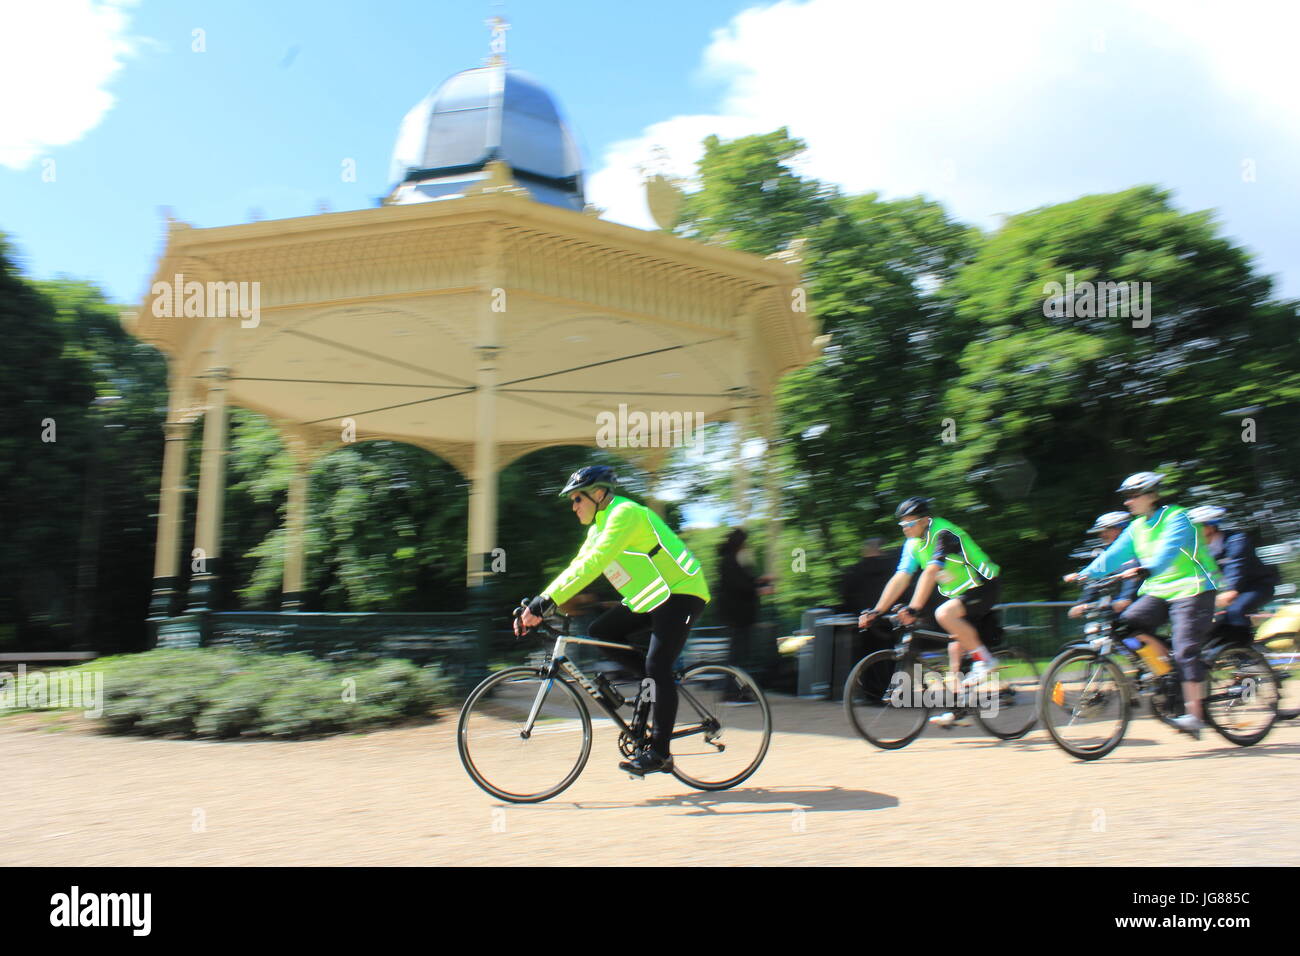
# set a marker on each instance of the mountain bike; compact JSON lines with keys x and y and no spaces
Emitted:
{"x":890,"y":693}
{"x":1090,"y":689}
{"x":525,"y":732}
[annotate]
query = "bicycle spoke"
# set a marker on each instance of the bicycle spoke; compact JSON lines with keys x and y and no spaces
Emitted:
{"x":523,"y":737}
{"x":733,"y":731}
{"x":1083,"y":704}
{"x":885,"y":700}
{"x":1013,"y":709}
{"x":1241,"y":697}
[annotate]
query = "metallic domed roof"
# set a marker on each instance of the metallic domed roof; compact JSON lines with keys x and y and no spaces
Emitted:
{"x":479,"y":115}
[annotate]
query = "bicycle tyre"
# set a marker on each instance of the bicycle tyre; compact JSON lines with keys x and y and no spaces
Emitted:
{"x":481,"y":693}
{"x":1047,"y":706}
{"x":1018,"y":722}
{"x":1286,"y":665}
{"x":746,"y":684}
{"x":862,"y":698}
{"x":1219,"y":707}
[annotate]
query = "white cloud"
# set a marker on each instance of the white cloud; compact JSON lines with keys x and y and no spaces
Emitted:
{"x":617,"y":186}
{"x":56,"y":60}
{"x":1000,"y":107}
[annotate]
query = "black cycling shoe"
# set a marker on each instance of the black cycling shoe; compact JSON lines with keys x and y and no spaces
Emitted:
{"x":647,"y":761}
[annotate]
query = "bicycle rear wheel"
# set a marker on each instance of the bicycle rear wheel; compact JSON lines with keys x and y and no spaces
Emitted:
{"x":1241,"y":695}
{"x":1083,"y":702}
{"x":1283,"y":655}
{"x":723,"y":728}
{"x":1012,"y":707}
{"x":511,"y":763}
{"x":884,"y":699}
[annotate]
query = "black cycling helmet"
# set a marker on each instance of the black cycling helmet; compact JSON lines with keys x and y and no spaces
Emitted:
{"x":916,"y":505}
{"x":593,"y":476}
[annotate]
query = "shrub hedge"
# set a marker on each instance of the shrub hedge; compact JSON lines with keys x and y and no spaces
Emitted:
{"x":222,"y":693}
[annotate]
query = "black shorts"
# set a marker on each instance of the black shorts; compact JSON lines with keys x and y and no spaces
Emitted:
{"x":979,"y":601}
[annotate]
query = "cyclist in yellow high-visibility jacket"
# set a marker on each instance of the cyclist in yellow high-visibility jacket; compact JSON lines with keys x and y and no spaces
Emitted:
{"x":662,"y":584}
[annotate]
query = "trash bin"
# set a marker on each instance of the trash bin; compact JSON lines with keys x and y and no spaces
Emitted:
{"x":845,"y":647}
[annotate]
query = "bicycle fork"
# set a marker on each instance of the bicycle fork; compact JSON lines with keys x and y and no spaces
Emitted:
{"x":526,"y":731}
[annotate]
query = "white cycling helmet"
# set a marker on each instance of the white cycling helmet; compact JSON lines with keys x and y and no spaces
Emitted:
{"x":1111,"y":519}
{"x":1207,"y":514}
{"x":1140,"y":483}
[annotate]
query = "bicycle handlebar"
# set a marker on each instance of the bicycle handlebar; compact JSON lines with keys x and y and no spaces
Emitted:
{"x":545,"y":625}
{"x":892,"y":617}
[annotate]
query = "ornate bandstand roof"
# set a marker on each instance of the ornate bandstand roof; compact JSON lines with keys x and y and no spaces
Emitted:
{"x":482,"y":115}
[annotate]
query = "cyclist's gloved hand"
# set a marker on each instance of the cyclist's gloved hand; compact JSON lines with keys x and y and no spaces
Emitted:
{"x":541,"y":606}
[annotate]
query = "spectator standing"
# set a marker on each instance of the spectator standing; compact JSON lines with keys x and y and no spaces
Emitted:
{"x":736,"y":601}
{"x":862,"y":585}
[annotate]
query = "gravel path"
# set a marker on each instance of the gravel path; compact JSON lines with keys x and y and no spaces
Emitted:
{"x":400,"y":797}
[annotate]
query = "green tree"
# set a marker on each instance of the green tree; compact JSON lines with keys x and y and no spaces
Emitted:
{"x":1052,"y":410}
{"x":78,"y":477}
{"x":750,"y":199}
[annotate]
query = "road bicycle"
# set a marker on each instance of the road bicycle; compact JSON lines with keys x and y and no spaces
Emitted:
{"x":890,"y":693}
{"x":1091,"y":688}
{"x":525,"y":732}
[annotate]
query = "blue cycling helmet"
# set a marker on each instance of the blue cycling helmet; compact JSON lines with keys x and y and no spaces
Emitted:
{"x":1111,"y":519}
{"x":593,"y":476}
{"x":1207,"y":514}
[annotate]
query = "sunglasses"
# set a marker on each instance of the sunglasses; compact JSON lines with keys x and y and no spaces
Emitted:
{"x":908,"y":524}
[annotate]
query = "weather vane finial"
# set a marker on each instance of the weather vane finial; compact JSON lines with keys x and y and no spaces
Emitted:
{"x":497,"y":45}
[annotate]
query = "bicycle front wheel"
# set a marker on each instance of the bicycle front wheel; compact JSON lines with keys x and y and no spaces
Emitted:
{"x":1083,"y":701}
{"x":506,"y":756}
{"x":1009,"y":706}
{"x":1241,"y":695}
{"x":723,"y":728}
{"x":884,"y":699}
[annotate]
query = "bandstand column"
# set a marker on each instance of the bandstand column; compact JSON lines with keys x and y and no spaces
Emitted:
{"x":212,"y":486}
{"x":295,"y":535}
{"x":171,"y":509}
{"x":740,"y":484}
{"x":771,"y":490}
{"x":483,"y":481}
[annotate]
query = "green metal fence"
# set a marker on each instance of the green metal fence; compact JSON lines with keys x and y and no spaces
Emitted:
{"x":1040,"y":628}
{"x":452,"y":640}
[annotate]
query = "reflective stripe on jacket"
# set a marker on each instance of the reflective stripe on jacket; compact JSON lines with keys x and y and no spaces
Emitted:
{"x":968,"y":568}
{"x":640,"y":556}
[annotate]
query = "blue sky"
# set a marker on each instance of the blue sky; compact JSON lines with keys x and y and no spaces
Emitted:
{"x":286,"y":91}
{"x":991,"y":108}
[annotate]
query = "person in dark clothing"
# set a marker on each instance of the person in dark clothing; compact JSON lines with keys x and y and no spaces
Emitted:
{"x":736,"y":600}
{"x":1107,"y":528}
{"x":1248,"y":582}
{"x":862,"y":585}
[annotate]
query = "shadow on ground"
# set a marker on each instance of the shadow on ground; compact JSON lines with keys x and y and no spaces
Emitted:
{"x":747,"y":800}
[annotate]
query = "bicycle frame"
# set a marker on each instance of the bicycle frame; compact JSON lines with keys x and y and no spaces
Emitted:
{"x":1100,"y":636}
{"x":558,"y":667}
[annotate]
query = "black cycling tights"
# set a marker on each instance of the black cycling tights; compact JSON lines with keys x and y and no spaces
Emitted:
{"x":670,"y":625}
